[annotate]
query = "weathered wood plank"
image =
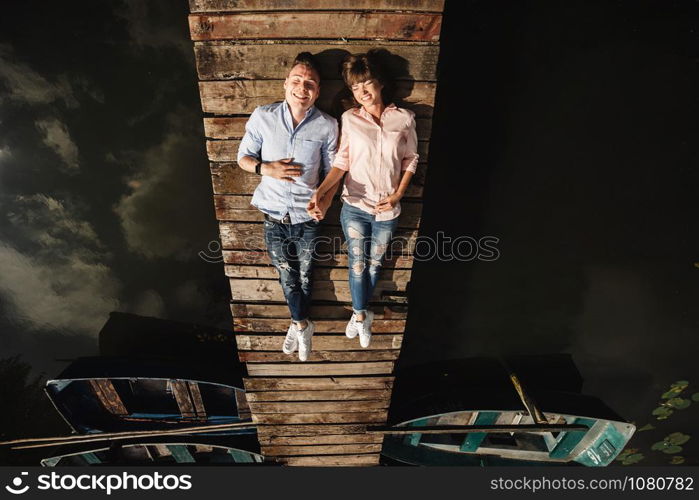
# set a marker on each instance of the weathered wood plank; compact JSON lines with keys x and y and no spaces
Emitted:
{"x":226,"y":150}
{"x":241,"y":401}
{"x":335,"y":356}
{"x":272,"y":61}
{"x":285,"y":5}
{"x":237,"y":208}
{"x":334,"y":311}
{"x":321,"y":326}
{"x":319,"y":273}
{"x":249,"y":236}
{"x":184,"y":403}
{"x":320,"y":342}
{"x":332,"y":460}
{"x":321,"y":439}
{"x":234,"y":97}
{"x":312,"y":25}
{"x":233,"y":127}
{"x":317,"y":384}
{"x":315,"y":430}
{"x":108,"y":396}
{"x":378,"y":416}
{"x":259,"y":257}
{"x":227,"y":178}
{"x":270,"y":290}
{"x":318,"y":406}
{"x":338,"y":395}
{"x":320,"y":449}
{"x":310,"y":369}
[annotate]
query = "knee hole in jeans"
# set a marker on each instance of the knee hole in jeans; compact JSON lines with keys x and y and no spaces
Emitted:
{"x":358,"y":268}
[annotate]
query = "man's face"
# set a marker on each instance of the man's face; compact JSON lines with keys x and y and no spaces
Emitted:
{"x":302,"y":87}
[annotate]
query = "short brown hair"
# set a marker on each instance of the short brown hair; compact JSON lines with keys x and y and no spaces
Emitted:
{"x":360,"y":68}
{"x":307,"y":59}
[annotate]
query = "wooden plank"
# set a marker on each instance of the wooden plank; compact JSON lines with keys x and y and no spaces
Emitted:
{"x":321,"y":326}
{"x":227,"y":178}
{"x":285,"y":5}
{"x":316,"y":25}
{"x":332,"y":460}
{"x":256,"y":290}
{"x":317,"y":384}
{"x":272,"y":61}
{"x":378,"y":416}
{"x":249,"y":236}
{"x":309,"y":369}
{"x":320,"y":439}
{"x":310,"y":431}
{"x":253,"y":257}
{"x":237,"y":208}
{"x":234,"y":97}
{"x":321,"y":449}
{"x":337,"y":395}
{"x":320,"y":342}
{"x":108,"y":396}
{"x":318,"y":406}
{"x":197,"y":401}
{"x":318,"y":311}
{"x":233,"y":127}
{"x":241,"y":402}
{"x":364,"y":355}
{"x":184,"y":402}
{"x":319,"y":273}
{"x":226,"y":150}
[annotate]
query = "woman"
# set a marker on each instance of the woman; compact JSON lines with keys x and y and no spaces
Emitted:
{"x":378,"y":152}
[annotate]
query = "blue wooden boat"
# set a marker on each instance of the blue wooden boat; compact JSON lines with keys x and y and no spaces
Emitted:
{"x":162,"y":450}
{"x":104,"y":394}
{"x":468,"y":412}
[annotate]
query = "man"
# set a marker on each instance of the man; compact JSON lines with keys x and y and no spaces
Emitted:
{"x":291,"y":144}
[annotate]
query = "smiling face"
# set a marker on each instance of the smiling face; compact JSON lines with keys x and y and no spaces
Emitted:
{"x":302,"y":87}
{"x":368,"y":93}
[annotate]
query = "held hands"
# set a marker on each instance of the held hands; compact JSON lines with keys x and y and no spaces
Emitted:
{"x":387,"y":203}
{"x":318,"y":205}
{"x":282,"y":169}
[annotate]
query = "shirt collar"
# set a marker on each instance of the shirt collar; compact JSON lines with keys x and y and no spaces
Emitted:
{"x":364,"y":113}
{"x":286,"y":109}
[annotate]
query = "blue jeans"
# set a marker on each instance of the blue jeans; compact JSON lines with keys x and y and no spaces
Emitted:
{"x":291,"y":249}
{"x":367,"y":242}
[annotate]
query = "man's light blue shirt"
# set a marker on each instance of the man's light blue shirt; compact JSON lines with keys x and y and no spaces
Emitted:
{"x":270,"y":136}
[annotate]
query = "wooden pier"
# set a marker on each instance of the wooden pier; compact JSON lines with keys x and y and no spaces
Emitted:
{"x":313,"y":413}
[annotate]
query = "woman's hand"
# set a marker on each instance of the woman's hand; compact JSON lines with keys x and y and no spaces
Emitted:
{"x":387,"y":203}
{"x":317,"y":207}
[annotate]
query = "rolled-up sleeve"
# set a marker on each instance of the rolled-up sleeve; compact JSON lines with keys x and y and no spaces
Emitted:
{"x":329,"y":149}
{"x":342,"y":156}
{"x":251,"y":144}
{"x":411,"y":157}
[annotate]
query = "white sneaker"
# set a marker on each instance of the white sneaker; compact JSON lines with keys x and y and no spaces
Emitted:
{"x":291,"y":341}
{"x":353,"y":327}
{"x":365,"y":332}
{"x":305,"y":337}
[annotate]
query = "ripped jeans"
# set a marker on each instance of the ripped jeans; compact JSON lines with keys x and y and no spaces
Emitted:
{"x":291,"y":249}
{"x":367,"y":242}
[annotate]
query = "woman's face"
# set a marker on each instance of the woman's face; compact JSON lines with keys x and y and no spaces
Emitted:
{"x":368,"y":93}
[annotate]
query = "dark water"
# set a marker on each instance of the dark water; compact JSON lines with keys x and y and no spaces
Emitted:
{"x":565,"y":130}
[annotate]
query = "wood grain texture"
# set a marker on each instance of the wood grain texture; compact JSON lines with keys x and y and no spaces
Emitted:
{"x":334,"y":356}
{"x":309,"y":369}
{"x":228,"y":178}
{"x":318,"y":406}
{"x":318,"y":311}
{"x":319,"y":273}
{"x":234,"y":97}
{"x":286,"y":5}
{"x":320,"y":342}
{"x":378,"y":416}
{"x":269,"y":290}
{"x":321,"y":439}
{"x":233,"y":127}
{"x":321,"y":449}
{"x":275,"y":431}
{"x":321,"y":326}
{"x":365,"y":460}
{"x":311,"y":25}
{"x":267,"y":60}
{"x":337,"y":395}
{"x":259,"y":257}
{"x":317,"y":384}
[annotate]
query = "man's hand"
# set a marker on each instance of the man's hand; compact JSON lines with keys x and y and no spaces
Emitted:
{"x":387,"y":203}
{"x":282,"y":169}
{"x":316,"y":207}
